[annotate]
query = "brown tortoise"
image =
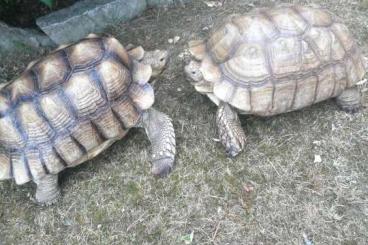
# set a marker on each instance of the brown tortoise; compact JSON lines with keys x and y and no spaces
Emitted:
{"x":275,"y":60}
{"x":74,"y":103}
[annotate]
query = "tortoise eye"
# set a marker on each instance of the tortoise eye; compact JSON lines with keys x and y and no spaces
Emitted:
{"x":162,"y":59}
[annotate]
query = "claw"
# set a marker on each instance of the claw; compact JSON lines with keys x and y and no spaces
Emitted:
{"x":352,"y":109}
{"x":48,"y":201}
{"x":233,"y":151}
{"x":162,"y":167}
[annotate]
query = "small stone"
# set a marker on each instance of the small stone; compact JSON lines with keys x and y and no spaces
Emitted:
{"x":212,"y":4}
{"x":99,"y":226}
{"x":247,"y":188}
{"x":170,"y":40}
{"x":317,"y":159}
{"x":176,"y":39}
{"x":179,"y":89}
{"x":317,"y":143}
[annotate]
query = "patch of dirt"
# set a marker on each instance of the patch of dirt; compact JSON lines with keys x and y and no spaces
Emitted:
{"x":23,"y":13}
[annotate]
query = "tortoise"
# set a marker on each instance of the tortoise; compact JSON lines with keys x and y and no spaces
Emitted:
{"x":272,"y":61}
{"x":72,"y":104}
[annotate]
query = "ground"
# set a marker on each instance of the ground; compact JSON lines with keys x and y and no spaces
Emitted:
{"x":273,"y":193}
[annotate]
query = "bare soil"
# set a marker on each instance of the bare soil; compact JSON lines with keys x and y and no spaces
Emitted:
{"x":273,"y":193}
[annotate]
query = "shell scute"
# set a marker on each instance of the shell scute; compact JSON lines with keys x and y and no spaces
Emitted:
{"x":5,"y":165}
{"x":56,"y":111}
{"x":255,"y":28}
{"x":115,"y":78}
{"x":314,"y":16}
{"x":309,"y":58}
{"x":22,"y":87}
{"x":115,"y":47}
{"x":343,"y":35}
{"x":35,"y":127}
{"x":322,"y":40}
{"x":248,"y":64}
{"x":340,"y":79}
{"x":305,"y":92}
{"x":53,"y":163}
{"x":10,"y":135}
{"x":84,"y":94}
{"x":68,"y":150}
{"x":20,"y":168}
{"x":126,"y":112}
{"x":358,"y":62}
{"x":241,"y":99}
{"x":5,"y":104}
{"x":353,"y":76}
{"x":261,"y":98}
{"x":223,"y":41}
{"x":35,"y":164}
{"x":142,"y":95}
{"x":52,"y":70}
{"x":108,"y":125}
{"x":285,"y":56}
{"x":288,"y":21}
{"x":85,"y":53}
{"x":224,"y":90}
{"x":86,"y":135}
{"x":326,"y":84}
{"x":284,"y":95}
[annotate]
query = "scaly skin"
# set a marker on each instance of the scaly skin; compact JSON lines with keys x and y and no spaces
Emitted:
{"x":48,"y":190}
{"x":230,"y":131}
{"x":160,"y":132}
{"x":350,"y":100}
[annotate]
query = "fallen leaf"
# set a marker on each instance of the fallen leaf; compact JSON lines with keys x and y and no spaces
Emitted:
{"x":187,"y":239}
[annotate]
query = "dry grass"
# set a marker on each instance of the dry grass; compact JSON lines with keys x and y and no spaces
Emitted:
{"x":273,"y":193}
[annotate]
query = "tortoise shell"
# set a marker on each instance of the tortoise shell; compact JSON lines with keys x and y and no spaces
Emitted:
{"x":275,"y":60}
{"x":69,"y":106}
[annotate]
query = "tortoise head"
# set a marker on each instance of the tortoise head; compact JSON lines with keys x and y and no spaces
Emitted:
{"x":157,"y":59}
{"x":193,"y":73}
{"x":195,"y":76}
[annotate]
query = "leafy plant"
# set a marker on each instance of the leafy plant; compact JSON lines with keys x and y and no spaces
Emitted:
{"x":49,"y":3}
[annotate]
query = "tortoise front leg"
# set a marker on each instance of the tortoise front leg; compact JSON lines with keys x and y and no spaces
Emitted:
{"x":350,"y":100}
{"x":230,"y":131}
{"x":48,"y":189}
{"x":160,"y":132}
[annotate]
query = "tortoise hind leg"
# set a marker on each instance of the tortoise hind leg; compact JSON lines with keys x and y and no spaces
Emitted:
{"x":230,"y":131}
{"x":160,"y":132}
{"x":350,"y":100}
{"x":48,"y":189}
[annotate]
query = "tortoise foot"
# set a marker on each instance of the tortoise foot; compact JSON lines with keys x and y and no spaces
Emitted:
{"x":162,"y":167}
{"x":230,"y":131}
{"x":48,"y":200}
{"x":352,"y":109}
{"x":48,"y":190}
{"x":350,"y":100}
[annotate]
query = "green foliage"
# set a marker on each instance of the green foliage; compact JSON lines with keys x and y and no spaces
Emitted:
{"x":49,"y":3}
{"x":4,"y":3}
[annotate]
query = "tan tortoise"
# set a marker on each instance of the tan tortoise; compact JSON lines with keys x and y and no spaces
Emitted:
{"x":74,"y":103}
{"x":275,"y":60}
